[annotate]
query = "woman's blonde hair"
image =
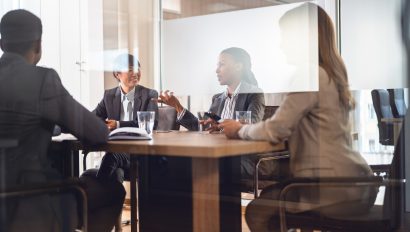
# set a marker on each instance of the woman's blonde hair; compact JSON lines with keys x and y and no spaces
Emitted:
{"x":330,"y":59}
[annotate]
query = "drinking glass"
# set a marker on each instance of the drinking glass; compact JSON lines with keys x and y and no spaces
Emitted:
{"x":201,"y":116}
{"x":146,"y":120}
{"x":244,"y":117}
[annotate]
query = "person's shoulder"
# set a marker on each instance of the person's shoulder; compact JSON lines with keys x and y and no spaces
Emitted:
{"x":249,"y":88}
{"x":146,"y":90}
{"x":48,"y":73}
{"x":111,"y":91}
{"x":218,"y":95}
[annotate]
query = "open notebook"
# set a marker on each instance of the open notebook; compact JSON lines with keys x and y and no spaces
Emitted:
{"x":129,"y":133}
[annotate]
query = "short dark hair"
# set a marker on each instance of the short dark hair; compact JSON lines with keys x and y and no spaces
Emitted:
{"x":18,"y":47}
{"x":124,"y":61}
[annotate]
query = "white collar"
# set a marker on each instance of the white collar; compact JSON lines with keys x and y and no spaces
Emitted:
{"x":234,"y":92}
{"x":130,"y":95}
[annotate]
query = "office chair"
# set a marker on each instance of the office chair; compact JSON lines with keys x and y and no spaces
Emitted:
{"x":167,"y":118}
{"x":380,"y":218}
{"x":398,"y":106}
{"x":381,"y":104}
{"x":52,"y":188}
{"x":273,"y":157}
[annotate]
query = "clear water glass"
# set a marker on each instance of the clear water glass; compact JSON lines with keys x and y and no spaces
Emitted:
{"x":146,"y":120}
{"x":244,"y":117}
{"x":201,"y":116}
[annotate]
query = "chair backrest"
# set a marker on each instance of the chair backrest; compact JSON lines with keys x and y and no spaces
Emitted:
{"x":167,"y":118}
{"x":397,"y":103}
{"x":269,"y":111}
{"x":381,"y":104}
{"x":393,"y":205}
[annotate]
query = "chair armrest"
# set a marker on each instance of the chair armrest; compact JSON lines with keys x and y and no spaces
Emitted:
{"x":392,"y":120}
{"x":52,"y":187}
{"x":379,"y":168}
{"x":334,"y":182}
{"x":266,"y":157}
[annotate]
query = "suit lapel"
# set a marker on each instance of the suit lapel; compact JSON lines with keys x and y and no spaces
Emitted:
{"x":137,"y":100}
{"x":221,"y":102}
{"x":117,"y":104}
{"x":241,"y":100}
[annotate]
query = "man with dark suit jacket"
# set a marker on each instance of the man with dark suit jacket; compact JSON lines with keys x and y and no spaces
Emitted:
{"x":119,"y":107}
{"x":32,"y":101}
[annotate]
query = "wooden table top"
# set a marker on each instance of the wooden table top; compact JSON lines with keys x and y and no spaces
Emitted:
{"x":186,"y":144}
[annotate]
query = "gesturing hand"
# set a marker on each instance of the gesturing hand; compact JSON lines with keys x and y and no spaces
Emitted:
{"x":168,"y":98}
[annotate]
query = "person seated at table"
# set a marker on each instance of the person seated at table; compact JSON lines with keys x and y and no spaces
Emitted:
{"x":316,"y":125}
{"x":32,"y":101}
{"x":241,"y":94}
{"x":119,"y":107}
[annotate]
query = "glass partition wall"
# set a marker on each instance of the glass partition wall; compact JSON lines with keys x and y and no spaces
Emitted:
{"x":178,"y":45}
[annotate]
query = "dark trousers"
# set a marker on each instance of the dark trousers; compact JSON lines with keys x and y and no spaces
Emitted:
{"x":114,"y":166}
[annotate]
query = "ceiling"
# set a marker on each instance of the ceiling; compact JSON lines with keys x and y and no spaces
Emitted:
{"x":189,"y":8}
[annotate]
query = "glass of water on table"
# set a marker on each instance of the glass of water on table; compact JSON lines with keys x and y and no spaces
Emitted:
{"x":146,"y":120}
{"x":244,"y":117}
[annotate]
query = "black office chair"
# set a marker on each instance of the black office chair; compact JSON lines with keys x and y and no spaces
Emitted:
{"x":381,"y":104}
{"x":167,"y":118}
{"x":380,"y":218}
{"x":51,"y":188}
{"x":397,"y":103}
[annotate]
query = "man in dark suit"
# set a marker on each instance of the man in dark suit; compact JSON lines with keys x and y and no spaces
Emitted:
{"x":32,"y":101}
{"x":119,"y":107}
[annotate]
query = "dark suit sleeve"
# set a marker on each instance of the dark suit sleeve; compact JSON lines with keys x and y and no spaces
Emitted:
{"x":58,"y":106}
{"x":189,"y":121}
{"x":257,"y":106}
{"x":101,"y":109}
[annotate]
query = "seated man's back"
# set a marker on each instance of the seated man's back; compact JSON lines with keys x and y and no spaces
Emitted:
{"x":32,"y":101}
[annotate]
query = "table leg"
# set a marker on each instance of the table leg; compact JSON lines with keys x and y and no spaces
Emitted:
{"x":216,"y":194}
{"x":205,"y":191}
{"x":133,"y":186}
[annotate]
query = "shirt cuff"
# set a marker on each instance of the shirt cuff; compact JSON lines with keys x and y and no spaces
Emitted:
{"x":118,"y":124}
{"x":181,"y":114}
{"x":243,"y":132}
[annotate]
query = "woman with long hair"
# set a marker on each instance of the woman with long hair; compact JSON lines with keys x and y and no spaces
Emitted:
{"x":242,"y":94}
{"x":316,"y":124}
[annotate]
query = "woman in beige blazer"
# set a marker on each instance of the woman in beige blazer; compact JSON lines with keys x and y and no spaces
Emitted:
{"x":316,"y":124}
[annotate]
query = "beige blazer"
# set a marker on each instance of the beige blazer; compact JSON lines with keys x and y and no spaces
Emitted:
{"x":319,"y":137}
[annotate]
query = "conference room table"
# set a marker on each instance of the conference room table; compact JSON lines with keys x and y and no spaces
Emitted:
{"x":197,"y":186}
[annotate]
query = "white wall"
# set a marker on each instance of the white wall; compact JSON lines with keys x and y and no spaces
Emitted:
{"x":371,"y":43}
{"x":72,"y":43}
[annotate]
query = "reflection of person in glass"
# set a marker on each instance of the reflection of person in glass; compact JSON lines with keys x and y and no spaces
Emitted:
{"x":317,"y":127}
{"x":242,"y":93}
